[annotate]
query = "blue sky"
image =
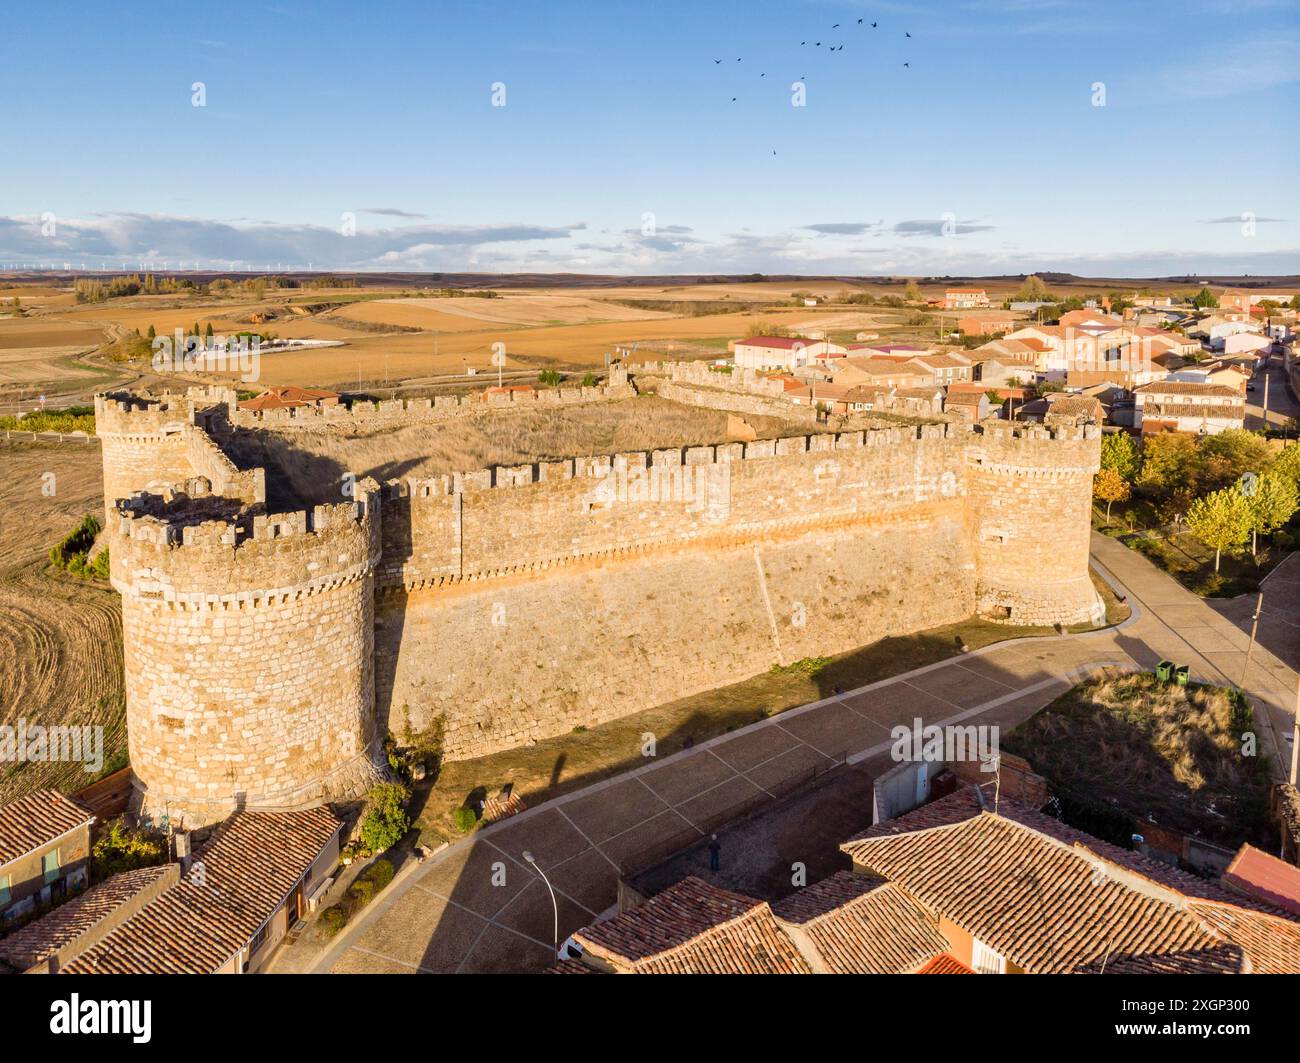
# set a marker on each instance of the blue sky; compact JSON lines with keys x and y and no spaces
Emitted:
{"x":620,"y":148}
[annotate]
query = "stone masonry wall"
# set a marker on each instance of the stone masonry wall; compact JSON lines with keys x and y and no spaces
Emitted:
{"x":1030,"y":497}
{"x":507,"y":660}
{"x":267,"y":652}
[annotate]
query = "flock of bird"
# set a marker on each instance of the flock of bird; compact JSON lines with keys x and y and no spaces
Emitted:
{"x":829,"y":48}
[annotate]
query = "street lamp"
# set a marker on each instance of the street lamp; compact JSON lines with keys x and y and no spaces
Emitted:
{"x":555,"y":907}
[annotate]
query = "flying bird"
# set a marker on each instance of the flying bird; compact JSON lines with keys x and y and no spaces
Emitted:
{"x":908,"y":65}
{"x":874,"y":25}
{"x":907,"y":35}
{"x":859,"y":22}
{"x":717,"y":60}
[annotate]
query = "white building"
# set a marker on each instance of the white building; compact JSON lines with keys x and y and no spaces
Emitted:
{"x":1188,"y":406}
{"x":785,"y":353}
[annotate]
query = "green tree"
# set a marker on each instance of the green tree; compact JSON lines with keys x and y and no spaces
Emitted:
{"x":1295,"y":302}
{"x":912,"y":293}
{"x":1271,"y":501}
{"x":1221,"y":520}
{"x":1110,"y":487}
{"x":1205,"y":299}
{"x":152,"y":334}
{"x":207,"y":332}
{"x":386,"y":820}
{"x":1033,"y":291}
{"x":1120,"y":453}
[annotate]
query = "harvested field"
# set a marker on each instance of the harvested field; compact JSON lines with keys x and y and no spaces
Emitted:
{"x":469,"y":312}
{"x":60,"y":637}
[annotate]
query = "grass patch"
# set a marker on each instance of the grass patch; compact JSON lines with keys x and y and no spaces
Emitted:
{"x":1157,"y":752}
{"x":1186,"y":558}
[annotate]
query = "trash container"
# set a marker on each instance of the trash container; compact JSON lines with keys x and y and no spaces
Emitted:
{"x":1165,"y":671}
{"x":1182,"y":674}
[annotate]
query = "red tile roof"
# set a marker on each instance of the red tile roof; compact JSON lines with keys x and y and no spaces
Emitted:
{"x":1266,"y":878}
{"x":786,"y":343}
{"x":36,"y":820}
{"x":857,"y":924}
{"x":248,"y":867}
{"x":41,"y":939}
{"x":945,"y":964}
{"x":1053,"y":899}
{"x":694,"y":928}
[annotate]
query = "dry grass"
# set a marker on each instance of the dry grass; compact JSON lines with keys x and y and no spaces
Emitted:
{"x":1151,"y":749}
{"x":313,"y":461}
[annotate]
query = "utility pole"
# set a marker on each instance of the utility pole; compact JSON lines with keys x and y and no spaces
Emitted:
{"x":1250,"y":648}
{"x":1267,"y":377}
{"x":1295,"y":735}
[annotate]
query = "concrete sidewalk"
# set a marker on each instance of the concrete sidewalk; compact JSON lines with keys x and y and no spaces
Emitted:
{"x":479,"y":906}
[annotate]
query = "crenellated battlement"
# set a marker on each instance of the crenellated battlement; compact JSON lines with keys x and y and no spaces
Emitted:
{"x":258,"y":672}
{"x":436,"y":409}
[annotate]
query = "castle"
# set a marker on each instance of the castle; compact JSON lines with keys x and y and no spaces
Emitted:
{"x":268,"y":653}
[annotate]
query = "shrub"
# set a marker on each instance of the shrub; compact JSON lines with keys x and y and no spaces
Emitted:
{"x":380,"y":873}
{"x":549,"y":377}
{"x":121,"y":848}
{"x":332,"y":920}
{"x":361,"y":892}
{"x":70,"y":552}
{"x":465,"y":819}
{"x":387,"y":820}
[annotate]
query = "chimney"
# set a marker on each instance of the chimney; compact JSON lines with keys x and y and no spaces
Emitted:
{"x":183,"y":854}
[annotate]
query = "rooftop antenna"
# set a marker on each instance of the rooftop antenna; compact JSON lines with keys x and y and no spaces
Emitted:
{"x":997,"y":781}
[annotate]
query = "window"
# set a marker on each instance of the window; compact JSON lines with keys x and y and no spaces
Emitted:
{"x":50,"y":865}
{"x":5,"y":884}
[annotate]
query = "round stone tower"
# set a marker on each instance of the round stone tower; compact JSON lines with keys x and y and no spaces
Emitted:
{"x":1030,"y":497}
{"x":248,"y":650}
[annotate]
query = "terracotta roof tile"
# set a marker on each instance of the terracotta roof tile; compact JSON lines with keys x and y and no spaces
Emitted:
{"x":39,"y":940}
{"x":248,"y":867}
{"x":945,"y":964}
{"x":857,"y":924}
{"x":36,"y":820}
{"x":695,"y":928}
{"x":1051,"y":898}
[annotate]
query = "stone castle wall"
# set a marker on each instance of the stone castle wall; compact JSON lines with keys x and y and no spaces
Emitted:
{"x":517,"y":602}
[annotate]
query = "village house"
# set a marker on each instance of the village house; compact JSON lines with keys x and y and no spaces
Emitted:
{"x":1059,"y":409}
{"x":222,"y":910}
{"x":1228,"y":374}
{"x":971,"y":406}
{"x":44,"y":853}
{"x":1186,"y":406}
{"x":882,"y":373}
{"x":956,"y":887}
{"x":1246,"y":298}
{"x":986,"y":323}
{"x":782,"y":352}
{"x":965,"y":299}
{"x":1245,"y":343}
{"x":289,"y":396}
